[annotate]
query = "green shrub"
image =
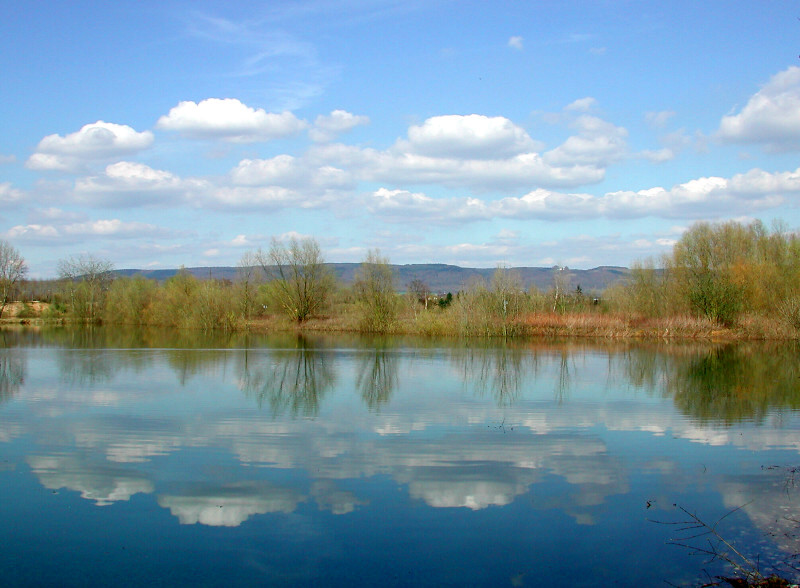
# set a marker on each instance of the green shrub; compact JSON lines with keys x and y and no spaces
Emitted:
{"x":375,"y":295}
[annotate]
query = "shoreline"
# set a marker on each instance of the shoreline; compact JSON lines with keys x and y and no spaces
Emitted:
{"x":532,"y":326}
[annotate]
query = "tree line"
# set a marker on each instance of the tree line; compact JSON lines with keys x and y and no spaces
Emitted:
{"x":719,"y":275}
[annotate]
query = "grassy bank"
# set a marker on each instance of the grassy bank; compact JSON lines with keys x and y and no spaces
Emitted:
{"x":449,"y":322}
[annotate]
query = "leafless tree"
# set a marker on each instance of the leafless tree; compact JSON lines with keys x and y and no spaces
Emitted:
{"x":420,"y":290}
{"x":247,"y":282}
{"x":12,"y":271}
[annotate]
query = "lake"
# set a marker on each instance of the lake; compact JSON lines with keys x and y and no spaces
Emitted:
{"x":149,"y":458}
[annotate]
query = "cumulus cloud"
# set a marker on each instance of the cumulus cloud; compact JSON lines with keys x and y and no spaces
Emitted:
{"x":402,"y":205}
{"x":598,"y":143}
{"x":280,"y":182}
{"x":698,"y":198}
{"x":401,"y":166}
{"x":288,"y":172}
{"x":327,"y":127}
{"x":126,"y":183}
{"x":473,"y":136}
{"x":32,"y":233}
{"x":93,"y":142}
{"x":771,"y":117}
{"x":229,"y":119}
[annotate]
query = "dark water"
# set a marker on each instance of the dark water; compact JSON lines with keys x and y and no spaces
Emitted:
{"x":135,"y":458}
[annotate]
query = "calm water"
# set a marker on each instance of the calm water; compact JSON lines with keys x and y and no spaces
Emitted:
{"x":129,"y":458}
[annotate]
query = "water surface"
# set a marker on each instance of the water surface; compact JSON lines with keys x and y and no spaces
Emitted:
{"x":132,"y":458}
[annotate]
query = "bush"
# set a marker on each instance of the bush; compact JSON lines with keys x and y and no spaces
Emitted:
{"x":375,"y":295}
{"x":493,"y":310}
{"x":129,"y":300}
{"x":789,"y":312}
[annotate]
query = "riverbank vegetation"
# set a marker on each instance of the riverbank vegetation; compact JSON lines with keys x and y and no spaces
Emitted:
{"x":724,"y":280}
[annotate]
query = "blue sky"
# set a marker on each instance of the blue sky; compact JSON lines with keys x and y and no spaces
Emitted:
{"x":159,"y":134}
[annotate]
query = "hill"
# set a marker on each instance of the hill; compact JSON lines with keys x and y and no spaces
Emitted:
{"x":439,"y":277}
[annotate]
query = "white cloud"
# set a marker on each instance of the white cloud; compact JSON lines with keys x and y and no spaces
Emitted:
{"x":73,"y":232}
{"x":57,"y":215}
{"x":658,"y":119}
{"x":113,"y":228}
{"x":545,"y":204}
{"x":706,"y":197}
{"x":326,"y":128}
{"x":401,"y":205}
{"x":455,"y":151}
{"x":253,"y":198}
{"x":473,"y":136}
{"x":9,"y":194}
{"x":33,"y":233}
{"x":659,"y":156}
{"x":128,"y":183}
{"x":581,"y":105}
{"x":403,"y":167}
{"x":507,"y":235}
{"x":598,"y":143}
{"x":286,"y":171}
{"x":771,"y":117}
{"x":93,"y":142}
{"x":279,"y":170}
{"x":516,"y":43}
{"x":229,"y":119}
{"x":241,"y":241}
{"x":699,"y":198}
{"x":4,"y":159}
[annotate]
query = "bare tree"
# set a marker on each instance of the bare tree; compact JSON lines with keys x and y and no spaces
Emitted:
{"x":247,"y":282}
{"x":561,"y":280}
{"x":12,"y":270}
{"x":420,"y":290}
{"x":87,"y":279}
{"x":301,"y":283}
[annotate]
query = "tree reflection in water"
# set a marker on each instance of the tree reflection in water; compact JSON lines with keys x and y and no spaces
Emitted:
{"x":377,"y":375}
{"x":12,"y":372}
{"x":727,"y":383}
{"x":497,"y":370}
{"x":737,"y":382}
{"x":290,"y":380}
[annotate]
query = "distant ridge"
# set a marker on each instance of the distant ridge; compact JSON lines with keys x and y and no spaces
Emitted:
{"x":439,"y":277}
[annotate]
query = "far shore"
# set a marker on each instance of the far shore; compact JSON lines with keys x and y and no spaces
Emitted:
{"x":531,"y":325}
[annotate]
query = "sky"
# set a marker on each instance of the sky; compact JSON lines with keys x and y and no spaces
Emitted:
{"x":578,"y":133}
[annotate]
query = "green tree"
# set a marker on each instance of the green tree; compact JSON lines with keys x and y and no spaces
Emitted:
{"x":703,"y":261}
{"x":86,"y":281}
{"x":12,"y":271}
{"x":301,"y":283}
{"x":374,"y":290}
{"x":129,"y":300}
